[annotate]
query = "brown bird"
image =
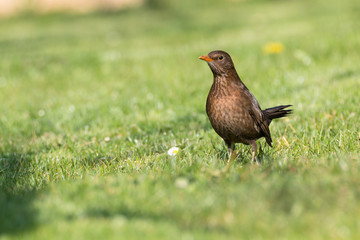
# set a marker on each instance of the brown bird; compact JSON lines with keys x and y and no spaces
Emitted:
{"x":234,"y":112}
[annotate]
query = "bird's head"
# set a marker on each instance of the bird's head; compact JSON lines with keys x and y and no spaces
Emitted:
{"x":219,"y":62}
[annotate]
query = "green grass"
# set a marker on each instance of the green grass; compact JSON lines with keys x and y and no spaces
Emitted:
{"x":90,"y":105}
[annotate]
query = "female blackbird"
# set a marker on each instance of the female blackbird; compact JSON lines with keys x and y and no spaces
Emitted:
{"x":233,"y":111}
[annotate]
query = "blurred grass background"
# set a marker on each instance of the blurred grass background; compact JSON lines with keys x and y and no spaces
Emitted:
{"x":90,"y":105}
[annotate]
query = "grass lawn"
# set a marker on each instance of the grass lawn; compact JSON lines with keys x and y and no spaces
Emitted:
{"x":91,"y":104}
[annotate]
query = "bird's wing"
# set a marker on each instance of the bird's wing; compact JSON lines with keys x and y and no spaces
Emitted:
{"x":254,"y":110}
{"x":259,"y":118}
{"x":262,"y":124}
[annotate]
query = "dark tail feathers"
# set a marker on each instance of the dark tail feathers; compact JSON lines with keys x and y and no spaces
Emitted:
{"x":276,"y":112}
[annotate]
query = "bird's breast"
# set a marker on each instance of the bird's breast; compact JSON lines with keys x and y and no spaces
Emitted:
{"x":225,"y":110}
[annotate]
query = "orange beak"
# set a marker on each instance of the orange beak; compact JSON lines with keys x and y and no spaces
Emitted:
{"x":206,"y":58}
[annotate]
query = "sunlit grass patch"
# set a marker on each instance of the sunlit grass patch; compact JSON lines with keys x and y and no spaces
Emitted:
{"x":103,"y":130}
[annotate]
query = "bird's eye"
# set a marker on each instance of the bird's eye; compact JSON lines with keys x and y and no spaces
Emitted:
{"x":221,"y":57}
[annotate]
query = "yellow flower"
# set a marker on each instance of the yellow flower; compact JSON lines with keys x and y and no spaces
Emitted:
{"x":273,"y":48}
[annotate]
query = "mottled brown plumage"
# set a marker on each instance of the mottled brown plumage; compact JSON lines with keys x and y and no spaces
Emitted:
{"x":233,"y":111}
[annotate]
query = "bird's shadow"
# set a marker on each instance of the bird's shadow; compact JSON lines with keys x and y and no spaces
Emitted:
{"x":17,"y":211}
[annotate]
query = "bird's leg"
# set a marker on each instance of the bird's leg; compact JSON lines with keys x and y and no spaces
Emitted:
{"x":231,"y":147}
{"x":254,"y":148}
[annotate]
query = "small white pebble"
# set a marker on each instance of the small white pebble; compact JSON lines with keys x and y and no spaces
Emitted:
{"x":71,"y":108}
{"x":41,"y":113}
{"x":181,"y":182}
